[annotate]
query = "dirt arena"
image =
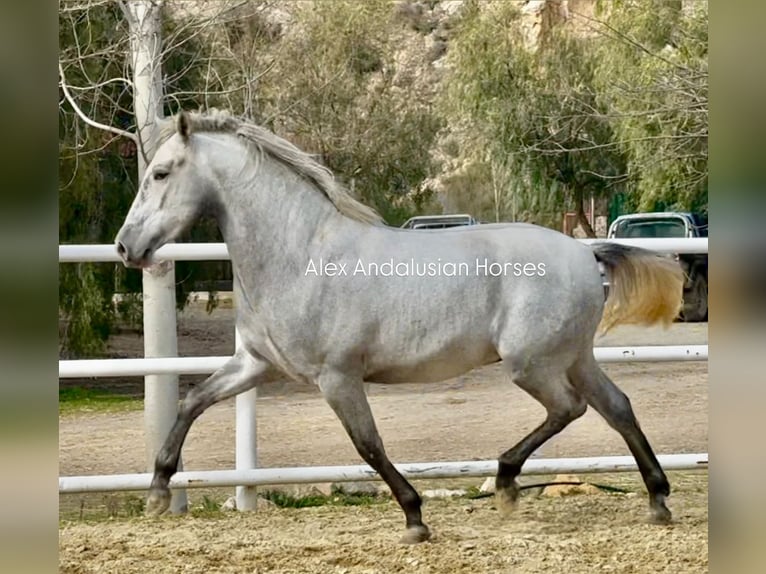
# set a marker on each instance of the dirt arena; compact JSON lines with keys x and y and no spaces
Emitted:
{"x":476,"y":416}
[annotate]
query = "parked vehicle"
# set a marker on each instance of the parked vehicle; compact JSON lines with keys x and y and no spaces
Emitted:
{"x":439,"y":221}
{"x":674,"y":224}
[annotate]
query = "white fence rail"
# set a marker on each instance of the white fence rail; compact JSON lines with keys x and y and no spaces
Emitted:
{"x":247,"y":476}
{"x":317,"y":474}
{"x":218,"y":251}
{"x":75,"y":369}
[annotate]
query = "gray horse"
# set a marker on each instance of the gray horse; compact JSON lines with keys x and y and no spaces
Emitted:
{"x":328,"y":294}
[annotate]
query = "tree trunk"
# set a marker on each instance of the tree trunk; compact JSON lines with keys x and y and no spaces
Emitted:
{"x":160,"y":335}
{"x":495,"y":192}
{"x":582,"y":220}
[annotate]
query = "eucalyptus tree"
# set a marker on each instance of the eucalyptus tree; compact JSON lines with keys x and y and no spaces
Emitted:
{"x":530,"y":115}
{"x":653,"y":78}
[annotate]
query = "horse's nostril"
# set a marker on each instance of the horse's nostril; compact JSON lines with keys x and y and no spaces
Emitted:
{"x":121,"y":249}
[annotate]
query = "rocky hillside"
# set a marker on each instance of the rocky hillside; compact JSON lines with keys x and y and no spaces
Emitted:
{"x":421,"y":33}
{"x":412,"y":92}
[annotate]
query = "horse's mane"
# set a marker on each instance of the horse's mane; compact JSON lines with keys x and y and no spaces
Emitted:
{"x":264,"y":141}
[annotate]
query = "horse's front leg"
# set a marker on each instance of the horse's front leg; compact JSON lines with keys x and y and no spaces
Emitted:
{"x":241,"y":373}
{"x":346,"y":395}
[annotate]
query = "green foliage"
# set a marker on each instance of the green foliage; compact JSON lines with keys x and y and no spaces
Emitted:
{"x":209,"y":504}
{"x":653,"y":78}
{"x":86,"y":311}
{"x":620,"y":112}
{"x":333,"y":92}
{"x":95,"y":190}
{"x":78,"y":399}
{"x":529,"y":115}
{"x":284,"y":500}
{"x":96,"y":174}
{"x":134,"y":506}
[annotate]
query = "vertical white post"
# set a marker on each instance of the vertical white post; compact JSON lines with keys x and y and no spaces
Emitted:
{"x":161,"y":391}
{"x":246,"y":442}
{"x":160,"y":335}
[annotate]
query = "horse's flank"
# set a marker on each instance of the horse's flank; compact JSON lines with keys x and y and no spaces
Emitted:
{"x":262,"y":140}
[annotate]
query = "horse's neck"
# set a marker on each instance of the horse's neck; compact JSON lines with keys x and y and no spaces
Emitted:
{"x":270,"y":220}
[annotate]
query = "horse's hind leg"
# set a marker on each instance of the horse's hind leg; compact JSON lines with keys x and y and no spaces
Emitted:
{"x":563,"y":403}
{"x":240,"y":373}
{"x":346,"y":396}
{"x":604,"y":396}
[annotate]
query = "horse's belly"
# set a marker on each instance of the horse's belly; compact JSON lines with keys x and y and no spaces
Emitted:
{"x":448,"y":363}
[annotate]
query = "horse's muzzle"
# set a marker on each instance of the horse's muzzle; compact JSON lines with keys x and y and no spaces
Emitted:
{"x":132,"y":260}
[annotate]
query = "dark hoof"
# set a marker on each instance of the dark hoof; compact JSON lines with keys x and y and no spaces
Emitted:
{"x":157,"y":502}
{"x":415,"y":535}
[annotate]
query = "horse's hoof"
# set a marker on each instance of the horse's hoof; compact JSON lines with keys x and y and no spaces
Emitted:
{"x":507,"y":500}
{"x":416,"y":535}
{"x":158,"y":502}
{"x":660,"y":515}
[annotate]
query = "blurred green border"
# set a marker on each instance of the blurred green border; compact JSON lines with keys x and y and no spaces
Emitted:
{"x":737,"y":330}
{"x":28,"y":405}
{"x":28,"y":288}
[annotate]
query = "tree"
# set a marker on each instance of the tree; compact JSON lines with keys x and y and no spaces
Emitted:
{"x":102,"y":151}
{"x":652,"y":76}
{"x":121,"y":73}
{"x":333,"y":88}
{"x":530,"y":115}
{"x":323,"y":76}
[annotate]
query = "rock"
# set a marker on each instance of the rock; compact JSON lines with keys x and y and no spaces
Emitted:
{"x":443,"y":493}
{"x":569,"y":489}
{"x":361,"y":487}
{"x":450,"y":7}
{"x":323,"y":487}
{"x":304,"y":490}
{"x":264,"y":504}
{"x":260,"y":504}
{"x":488,"y":485}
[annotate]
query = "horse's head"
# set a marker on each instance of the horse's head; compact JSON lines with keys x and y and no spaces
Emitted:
{"x":168,"y":201}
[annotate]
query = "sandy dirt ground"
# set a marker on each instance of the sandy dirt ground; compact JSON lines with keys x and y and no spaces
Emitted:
{"x":575,"y":535}
{"x":476,"y":416}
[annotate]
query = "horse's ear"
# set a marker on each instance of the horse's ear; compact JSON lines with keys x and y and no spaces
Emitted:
{"x":182,"y":125}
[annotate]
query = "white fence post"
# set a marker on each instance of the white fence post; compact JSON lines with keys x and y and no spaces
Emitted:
{"x":161,"y":391}
{"x":246,"y":442}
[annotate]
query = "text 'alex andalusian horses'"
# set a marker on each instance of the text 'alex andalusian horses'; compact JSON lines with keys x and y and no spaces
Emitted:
{"x":328,"y":294}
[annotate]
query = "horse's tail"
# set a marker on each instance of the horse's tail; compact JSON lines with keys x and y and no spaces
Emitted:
{"x":645,"y":288}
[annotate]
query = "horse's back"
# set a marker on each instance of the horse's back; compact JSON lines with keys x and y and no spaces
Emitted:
{"x":523,"y":291}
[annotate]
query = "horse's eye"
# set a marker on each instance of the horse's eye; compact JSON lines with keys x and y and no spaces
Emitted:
{"x":160,"y":175}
